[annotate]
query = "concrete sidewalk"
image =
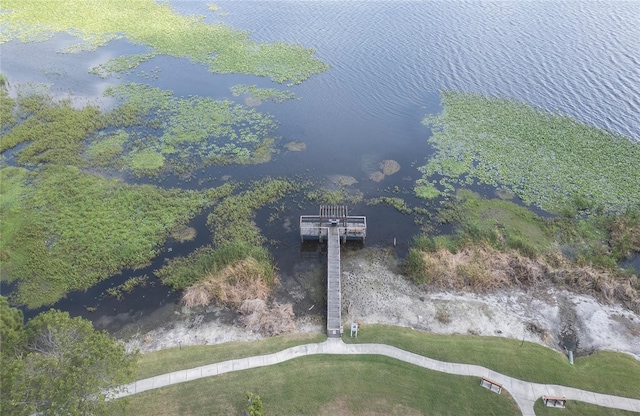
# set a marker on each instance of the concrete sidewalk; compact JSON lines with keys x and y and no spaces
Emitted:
{"x":524,"y":393}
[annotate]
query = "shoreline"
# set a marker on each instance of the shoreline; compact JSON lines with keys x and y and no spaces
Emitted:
{"x":374,"y":292}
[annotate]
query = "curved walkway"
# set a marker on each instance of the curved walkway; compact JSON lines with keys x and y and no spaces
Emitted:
{"x":524,"y":393}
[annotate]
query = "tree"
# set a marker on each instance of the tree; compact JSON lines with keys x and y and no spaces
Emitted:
{"x":11,"y":320}
{"x":64,"y":366}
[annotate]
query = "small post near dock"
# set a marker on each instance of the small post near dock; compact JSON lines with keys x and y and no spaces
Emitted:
{"x":335,"y":225}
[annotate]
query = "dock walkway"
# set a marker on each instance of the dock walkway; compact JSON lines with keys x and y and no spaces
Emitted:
{"x":334,"y":295}
{"x":335,"y":225}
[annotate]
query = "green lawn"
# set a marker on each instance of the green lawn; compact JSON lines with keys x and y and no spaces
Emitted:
{"x":173,"y":359}
{"x":579,"y":409}
{"x":379,"y":385}
{"x":605,"y":372}
{"x":329,"y":385}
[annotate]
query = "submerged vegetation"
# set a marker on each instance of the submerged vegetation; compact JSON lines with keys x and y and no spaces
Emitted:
{"x":547,"y":159}
{"x":220,"y":47}
{"x":65,"y":230}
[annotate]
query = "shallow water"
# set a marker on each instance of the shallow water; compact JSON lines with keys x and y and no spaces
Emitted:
{"x":389,"y":60}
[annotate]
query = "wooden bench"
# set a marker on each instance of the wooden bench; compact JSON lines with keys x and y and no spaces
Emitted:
{"x":554,"y":401}
{"x":487,"y":383}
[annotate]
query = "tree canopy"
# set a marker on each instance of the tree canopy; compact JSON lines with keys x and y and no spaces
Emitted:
{"x":62,"y":365}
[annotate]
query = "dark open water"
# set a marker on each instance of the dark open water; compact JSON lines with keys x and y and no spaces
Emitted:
{"x":389,"y":60}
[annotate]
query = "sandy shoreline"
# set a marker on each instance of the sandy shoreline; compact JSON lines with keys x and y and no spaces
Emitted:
{"x":373,"y":291}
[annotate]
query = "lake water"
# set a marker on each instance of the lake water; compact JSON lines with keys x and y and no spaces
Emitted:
{"x":389,"y":61}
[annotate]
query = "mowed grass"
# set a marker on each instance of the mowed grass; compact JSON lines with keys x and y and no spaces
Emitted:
{"x":330,"y":385}
{"x":604,"y":372}
{"x":173,"y":359}
{"x":574,"y":408}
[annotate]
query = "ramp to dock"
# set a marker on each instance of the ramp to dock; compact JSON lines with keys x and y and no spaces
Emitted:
{"x":334,"y":301}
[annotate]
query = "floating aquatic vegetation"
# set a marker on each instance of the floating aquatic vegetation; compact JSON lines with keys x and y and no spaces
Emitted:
{"x":56,"y":131}
{"x":295,"y":146}
{"x":146,"y":163}
{"x":220,"y":47}
{"x":105,"y":149}
{"x":24,"y":33}
{"x":272,"y":94}
{"x":65,"y":230}
{"x":122,"y":64}
{"x":547,"y":159}
{"x":426,"y":190}
{"x":119,"y":291}
{"x":195,"y":129}
{"x":183,"y":233}
{"x":398,"y":203}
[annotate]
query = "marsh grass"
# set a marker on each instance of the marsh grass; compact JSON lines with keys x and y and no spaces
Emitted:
{"x":426,"y":190}
{"x":479,"y":267}
{"x":547,"y":159}
{"x":342,"y":195}
{"x":232,"y":220}
{"x":232,"y":285}
{"x":182,"y":272}
{"x":7,"y":107}
{"x":220,"y":47}
{"x":502,"y":223}
{"x":65,"y":230}
{"x":501,"y":244}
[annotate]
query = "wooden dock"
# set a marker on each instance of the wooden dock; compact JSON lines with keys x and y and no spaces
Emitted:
{"x":334,"y":294}
{"x":316,"y":227}
{"x":335,"y":225}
